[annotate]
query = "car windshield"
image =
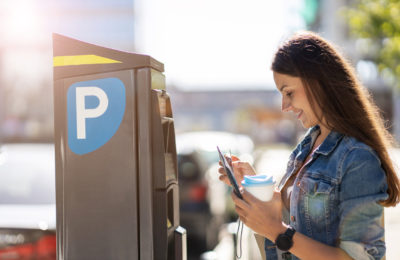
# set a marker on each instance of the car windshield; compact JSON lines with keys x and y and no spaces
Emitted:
{"x":210,"y":156}
{"x":27,"y":174}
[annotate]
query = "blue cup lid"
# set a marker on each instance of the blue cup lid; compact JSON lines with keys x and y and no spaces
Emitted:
{"x":257,"y":180}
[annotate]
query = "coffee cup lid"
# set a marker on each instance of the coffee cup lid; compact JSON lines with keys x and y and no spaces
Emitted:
{"x":256,"y":180}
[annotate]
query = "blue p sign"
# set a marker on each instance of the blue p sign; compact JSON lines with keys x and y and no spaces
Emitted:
{"x":95,"y":109}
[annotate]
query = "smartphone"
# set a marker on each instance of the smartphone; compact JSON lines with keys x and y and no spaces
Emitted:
{"x":229,"y":172}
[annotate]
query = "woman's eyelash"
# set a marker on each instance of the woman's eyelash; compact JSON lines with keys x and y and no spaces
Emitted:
{"x":289,"y":94}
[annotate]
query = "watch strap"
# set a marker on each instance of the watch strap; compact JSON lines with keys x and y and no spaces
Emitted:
{"x":290,"y":232}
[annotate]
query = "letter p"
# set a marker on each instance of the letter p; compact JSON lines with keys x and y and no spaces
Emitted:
{"x":82,"y":113}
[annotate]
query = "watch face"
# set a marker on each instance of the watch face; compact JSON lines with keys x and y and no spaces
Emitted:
{"x":283,"y":242}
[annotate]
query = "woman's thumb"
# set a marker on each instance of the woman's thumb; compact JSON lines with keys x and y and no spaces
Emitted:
{"x":235,"y":158}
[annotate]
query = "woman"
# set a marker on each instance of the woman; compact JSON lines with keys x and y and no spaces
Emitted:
{"x":329,"y":204}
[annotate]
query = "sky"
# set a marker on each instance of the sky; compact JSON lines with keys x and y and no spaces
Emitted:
{"x":31,"y":22}
{"x":208,"y":44}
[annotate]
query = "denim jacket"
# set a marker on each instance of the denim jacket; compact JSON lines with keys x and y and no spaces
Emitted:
{"x":335,"y":197}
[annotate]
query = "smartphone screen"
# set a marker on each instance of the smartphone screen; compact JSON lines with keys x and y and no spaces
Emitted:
{"x":229,"y":172}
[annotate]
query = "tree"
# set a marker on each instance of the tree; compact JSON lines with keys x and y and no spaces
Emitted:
{"x":377,"y":24}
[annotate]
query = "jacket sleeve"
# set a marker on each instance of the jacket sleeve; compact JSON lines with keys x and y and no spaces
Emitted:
{"x":363,"y":185}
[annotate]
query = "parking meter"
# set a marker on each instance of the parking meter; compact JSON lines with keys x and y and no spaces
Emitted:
{"x":116,"y":170}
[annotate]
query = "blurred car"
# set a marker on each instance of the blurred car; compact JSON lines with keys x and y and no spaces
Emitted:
{"x":27,"y":202}
{"x":202,"y":195}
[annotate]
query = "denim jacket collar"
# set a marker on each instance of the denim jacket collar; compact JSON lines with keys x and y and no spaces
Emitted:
{"x":327,"y":146}
{"x":300,"y":154}
{"x":330,"y":142}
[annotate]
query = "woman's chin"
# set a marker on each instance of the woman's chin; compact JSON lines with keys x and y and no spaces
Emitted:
{"x":305,"y":124}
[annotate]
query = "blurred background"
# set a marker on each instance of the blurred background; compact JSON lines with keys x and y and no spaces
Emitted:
{"x":217,"y":55}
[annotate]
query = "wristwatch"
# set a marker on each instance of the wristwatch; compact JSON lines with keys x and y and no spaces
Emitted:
{"x":284,"y":241}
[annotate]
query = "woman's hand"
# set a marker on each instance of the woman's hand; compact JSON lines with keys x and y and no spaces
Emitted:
{"x":264,"y":218}
{"x":240,"y":169}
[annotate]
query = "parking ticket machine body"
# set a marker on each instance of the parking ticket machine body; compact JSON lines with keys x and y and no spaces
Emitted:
{"x":116,"y":172}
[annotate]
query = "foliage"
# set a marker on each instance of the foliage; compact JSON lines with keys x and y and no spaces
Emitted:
{"x":377,"y":23}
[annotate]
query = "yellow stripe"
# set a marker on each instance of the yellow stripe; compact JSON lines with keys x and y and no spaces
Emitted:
{"x":81,"y":60}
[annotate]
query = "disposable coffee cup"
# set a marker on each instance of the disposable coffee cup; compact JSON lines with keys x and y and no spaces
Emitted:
{"x":260,"y":186}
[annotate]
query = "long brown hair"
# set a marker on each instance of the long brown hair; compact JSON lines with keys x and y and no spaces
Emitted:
{"x":347,"y":107}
